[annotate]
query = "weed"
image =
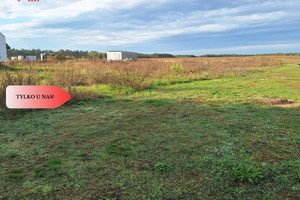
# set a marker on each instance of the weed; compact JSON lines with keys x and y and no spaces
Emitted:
{"x":54,"y":161}
{"x":162,"y":167}
{"x":116,"y":148}
{"x":157,"y":102}
{"x":29,"y":184}
{"x":43,"y":189}
{"x":147,"y":166}
{"x":16,"y":174}
{"x":78,"y":95}
{"x":81,"y":154}
{"x":81,"y":103}
{"x":53,"y":166}
{"x":70,"y":78}
{"x":11,"y":154}
{"x":39,"y":172}
{"x":188,"y":166}
{"x":134,"y":81}
{"x":246,"y":172}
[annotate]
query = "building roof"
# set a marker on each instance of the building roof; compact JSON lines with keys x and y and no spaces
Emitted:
{"x":122,"y":51}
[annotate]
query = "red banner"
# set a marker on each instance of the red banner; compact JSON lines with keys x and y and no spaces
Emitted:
{"x":35,"y":96}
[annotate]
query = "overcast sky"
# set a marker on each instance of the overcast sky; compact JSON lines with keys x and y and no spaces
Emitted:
{"x":166,"y":26}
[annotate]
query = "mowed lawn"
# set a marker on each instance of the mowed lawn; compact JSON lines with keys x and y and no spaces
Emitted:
{"x":227,"y":138}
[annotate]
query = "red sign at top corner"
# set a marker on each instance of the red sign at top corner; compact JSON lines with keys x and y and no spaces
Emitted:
{"x":31,"y":0}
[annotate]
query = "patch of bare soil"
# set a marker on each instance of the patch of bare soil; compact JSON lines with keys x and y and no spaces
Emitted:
{"x":279,"y":102}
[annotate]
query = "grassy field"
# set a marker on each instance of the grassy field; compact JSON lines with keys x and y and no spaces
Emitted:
{"x":217,"y":130}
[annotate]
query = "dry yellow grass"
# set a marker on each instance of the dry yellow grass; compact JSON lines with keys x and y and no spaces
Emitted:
{"x":138,"y":75}
{"x":159,"y":66}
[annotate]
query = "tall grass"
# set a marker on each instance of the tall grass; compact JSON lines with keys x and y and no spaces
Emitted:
{"x":138,"y":75}
{"x":26,"y":77}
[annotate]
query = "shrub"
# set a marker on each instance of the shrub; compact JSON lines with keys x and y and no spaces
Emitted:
{"x":177,"y":68}
{"x":70,"y":78}
{"x":59,"y":57}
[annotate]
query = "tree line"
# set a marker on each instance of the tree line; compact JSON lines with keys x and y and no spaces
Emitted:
{"x":61,"y":53}
{"x":162,"y":55}
{"x":243,"y":55}
{"x":101,"y":55}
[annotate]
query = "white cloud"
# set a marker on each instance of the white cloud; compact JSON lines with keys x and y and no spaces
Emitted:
{"x":253,"y":14}
{"x":278,"y":48}
{"x":55,"y":9}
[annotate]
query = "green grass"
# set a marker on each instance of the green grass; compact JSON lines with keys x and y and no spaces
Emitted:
{"x":209,"y":139}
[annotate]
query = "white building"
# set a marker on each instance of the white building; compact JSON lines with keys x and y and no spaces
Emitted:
{"x":20,"y":57}
{"x":121,"y":55}
{"x":44,"y":56}
{"x":3,"y":52}
{"x":31,"y":58}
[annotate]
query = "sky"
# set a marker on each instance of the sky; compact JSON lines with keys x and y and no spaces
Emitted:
{"x":195,"y":27}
